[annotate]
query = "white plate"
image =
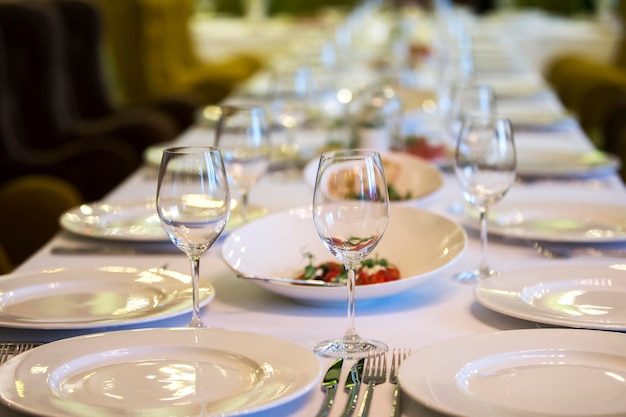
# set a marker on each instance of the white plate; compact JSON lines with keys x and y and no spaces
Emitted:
{"x":582,"y":296}
{"x":176,"y":372}
{"x":131,"y":221}
{"x":95,"y":297}
{"x":559,"y":163}
{"x":136,"y":221}
{"x":554,"y":220}
{"x":536,"y":372}
{"x":407,"y":174}
{"x":421,"y":243}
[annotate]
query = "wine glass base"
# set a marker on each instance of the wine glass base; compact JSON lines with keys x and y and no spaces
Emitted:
{"x":474,"y":274}
{"x":339,"y":348}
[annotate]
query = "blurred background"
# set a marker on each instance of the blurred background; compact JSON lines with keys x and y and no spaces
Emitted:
{"x":87,"y":85}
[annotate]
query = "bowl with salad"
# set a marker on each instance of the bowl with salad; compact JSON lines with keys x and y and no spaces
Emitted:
{"x":410,"y":179}
{"x":417,"y":246}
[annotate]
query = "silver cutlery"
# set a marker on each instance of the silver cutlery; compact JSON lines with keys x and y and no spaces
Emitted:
{"x":353,"y":386}
{"x":11,"y":349}
{"x":396,"y":359}
{"x":293,"y":281}
{"x":329,"y":386}
{"x":555,"y":252}
{"x":375,"y":373}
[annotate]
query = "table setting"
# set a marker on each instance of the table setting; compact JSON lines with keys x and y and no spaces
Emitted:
{"x":209,"y":284}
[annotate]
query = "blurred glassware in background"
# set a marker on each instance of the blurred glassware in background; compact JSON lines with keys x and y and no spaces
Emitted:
{"x":376,"y":118}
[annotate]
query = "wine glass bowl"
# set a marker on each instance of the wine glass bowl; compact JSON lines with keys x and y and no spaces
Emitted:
{"x":485,"y":163}
{"x":193,"y":204}
{"x":350,"y":214}
{"x":243,"y":137}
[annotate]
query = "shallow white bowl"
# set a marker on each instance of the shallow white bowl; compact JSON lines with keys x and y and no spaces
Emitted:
{"x":407,"y":173}
{"x":421,"y":243}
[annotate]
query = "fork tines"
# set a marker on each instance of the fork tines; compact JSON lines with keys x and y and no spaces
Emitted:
{"x":375,"y":369}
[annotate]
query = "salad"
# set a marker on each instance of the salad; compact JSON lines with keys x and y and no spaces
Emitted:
{"x":371,"y":271}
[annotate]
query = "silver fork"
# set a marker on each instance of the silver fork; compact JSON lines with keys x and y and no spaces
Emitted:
{"x":396,"y":359}
{"x":374,"y":373}
{"x":11,"y":349}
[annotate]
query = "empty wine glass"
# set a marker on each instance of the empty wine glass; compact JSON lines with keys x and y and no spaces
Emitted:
{"x":468,"y":99}
{"x":292,"y":93}
{"x":350,"y":212}
{"x":242,"y":135}
{"x":485,"y":165}
{"x":193,"y":203}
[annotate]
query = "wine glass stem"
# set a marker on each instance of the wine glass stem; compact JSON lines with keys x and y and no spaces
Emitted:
{"x":195,"y":287}
{"x":351,"y":334}
{"x":483,"y":214}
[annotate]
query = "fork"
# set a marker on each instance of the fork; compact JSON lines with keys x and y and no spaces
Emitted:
{"x":396,"y":359}
{"x":11,"y":349}
{"x":374,"y":373}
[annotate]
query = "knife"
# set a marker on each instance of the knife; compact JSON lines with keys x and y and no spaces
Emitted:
{"x":113,"y":250}
{"x":329,"y":386}
{"x":353,"y":385}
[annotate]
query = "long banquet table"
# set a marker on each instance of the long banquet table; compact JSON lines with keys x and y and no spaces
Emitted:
{"x":438,"y":310}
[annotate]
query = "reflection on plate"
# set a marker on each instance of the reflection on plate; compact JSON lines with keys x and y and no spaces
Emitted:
{"x":176,"y":372}
{"x":557,"y":163}
{"x":408,"y":175}
{"x":537,"y":372}
{"x":581,"y":296}
{"x":135,"y":221}
{"x":90,"y":298}
{"x":554,"y":220}
{"x":421,"y":243}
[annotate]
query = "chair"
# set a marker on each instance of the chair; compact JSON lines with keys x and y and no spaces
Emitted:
{"x":90,"y":94}
{"x":36,"y":132}
{"x":152,"y":55}
{"x":30,"y":207}
{"x":589,"y":87}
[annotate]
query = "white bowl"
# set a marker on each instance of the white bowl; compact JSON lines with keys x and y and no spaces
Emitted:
{"x":420,"y":243}
{"x":407,"y":174}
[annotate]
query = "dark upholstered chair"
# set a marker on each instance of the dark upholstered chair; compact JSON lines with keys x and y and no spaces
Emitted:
{"x":37,"y":132}
{"x":30,"y":207}
{"x":89,"y":89}
{"x":152,"y":56}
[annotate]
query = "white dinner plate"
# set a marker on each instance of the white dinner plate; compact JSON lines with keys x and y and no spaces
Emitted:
{"x":136,"y":221}
{"x":408,"y":174}
{"x":515,"y":373}
{"x":174,"y":372}
{"x":131,"y":221}
{"x":422,"y":244}
{"x":559,"y":163}
{"x":582,"y":296}
{"x":554,"y":220}
{"x":81,"y":298}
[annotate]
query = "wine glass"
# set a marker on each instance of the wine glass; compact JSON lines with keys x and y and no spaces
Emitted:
{"x":485,"y":165}
{"x":193,"y":203}
{"x":243,"y":137}
{"x":292,"y":94}
{"x":468,"y":99}
{"x":350,"y":212}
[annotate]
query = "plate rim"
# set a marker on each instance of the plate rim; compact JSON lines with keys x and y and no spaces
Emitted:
{"x":311,"y":369}
{"x":486,"y":294}
{"x":471,"y":223}
{"x":207,"y":295}
{"x":459,"y":404}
